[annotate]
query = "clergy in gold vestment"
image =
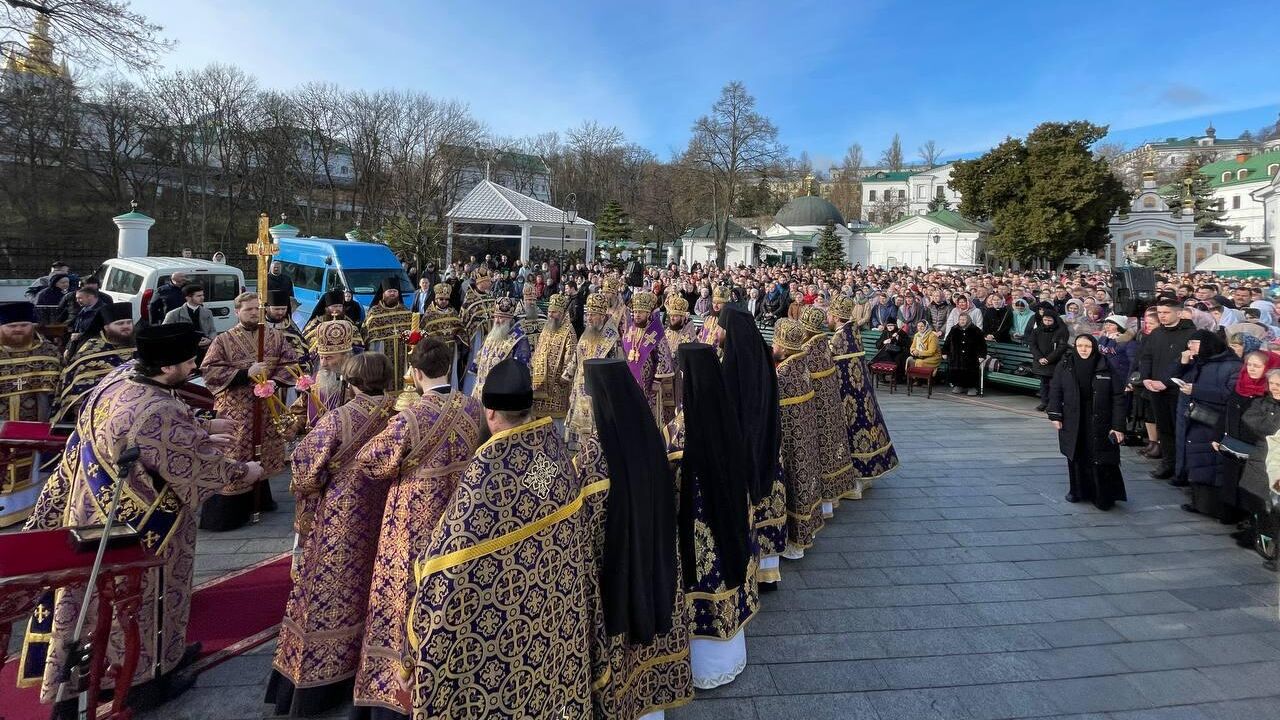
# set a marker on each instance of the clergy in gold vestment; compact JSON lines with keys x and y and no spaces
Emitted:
{"x":505,"y":339}
{"x":420,"y":456}
{"x":180,"y":464}
{"x":499,"y":627}
{"x":640,"y":648}
{"x":871,"y":448}
{"x":339,"y":513}
{"x":387,"y":324}
{"x":679,"y":331}
{"x":231,"y":370}
{"x":711,"y":333}
{"x":645,"y":350}
{"x":29,"y":369}
{"x":835,"y":465}
{"x":104,"y":346}
{"x":801,"y":471}
{"x":555,"y":353}
{"x":598,"y":341}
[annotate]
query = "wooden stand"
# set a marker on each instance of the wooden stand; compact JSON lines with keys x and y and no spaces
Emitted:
{"x":32,"y":561}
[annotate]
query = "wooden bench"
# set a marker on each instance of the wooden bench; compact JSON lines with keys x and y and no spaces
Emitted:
{"x":1010,"y":355}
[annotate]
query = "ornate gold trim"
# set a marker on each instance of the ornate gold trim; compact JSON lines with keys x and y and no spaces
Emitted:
{"x":532,"y":424}
{"x":822,"y":373}
{"x":796,"y":400}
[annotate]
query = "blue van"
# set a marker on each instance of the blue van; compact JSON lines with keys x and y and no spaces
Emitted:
{"x":317,"y":265}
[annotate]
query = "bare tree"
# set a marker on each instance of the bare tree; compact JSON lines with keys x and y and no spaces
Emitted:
{"x":118,"y":127}
{"x":892,"y":155}
{"x":369,"y":117}
{"x":930,"y":153}
{"x":730,"y":145}
{"x":852,"y":160}
{"x":317,"y":107}
{"x":86,"y":31}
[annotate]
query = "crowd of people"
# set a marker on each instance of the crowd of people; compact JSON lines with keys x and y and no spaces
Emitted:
{"x":591,"y":497}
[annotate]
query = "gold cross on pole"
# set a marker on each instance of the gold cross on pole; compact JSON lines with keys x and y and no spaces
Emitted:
{"x":263,"y":249}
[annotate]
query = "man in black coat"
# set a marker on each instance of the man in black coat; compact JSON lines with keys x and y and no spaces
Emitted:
{"x":168,"y":297}
{"x":1158,"y":361}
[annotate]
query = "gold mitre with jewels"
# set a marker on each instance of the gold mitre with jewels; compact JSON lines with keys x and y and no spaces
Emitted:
{"x":677,"y":305}
{"x":813,"y":319}
{"x":335,"y":337}
{"x":644,"y":302}
{"x":559,"y":301}
{"x":721,"y":294}
{"x":789,"y":335}
{"x":530,"y":292}
{"x":442,"y":289}
{"x":613,"y":285}
{"x":481,"y":273}
{"x":842,"y":307}
{"x":598,"y":303}
{"x":504,"y":308}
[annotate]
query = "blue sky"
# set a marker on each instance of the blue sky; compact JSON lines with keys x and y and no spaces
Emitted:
{"x":964,"y":74}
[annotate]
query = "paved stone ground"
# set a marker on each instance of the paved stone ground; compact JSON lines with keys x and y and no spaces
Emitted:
{"x":963,"y":587}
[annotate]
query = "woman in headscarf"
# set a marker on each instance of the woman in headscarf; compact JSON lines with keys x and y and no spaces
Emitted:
{"x":965,"y":348}
{"x":925,"y":350}
{"x":1090,"y":321}
{"x":1251,"y":384}
{"x":1020,"y":321}
{"x":48,"y":299}
{"x":1086,"y":405}
{"x":1208,"y":373}
{"x":1048,"y":343}
{"x":1263,"y":420}
{"x":892,"y":346}
{"x":995,"y":319}
{"x":861,"y":310}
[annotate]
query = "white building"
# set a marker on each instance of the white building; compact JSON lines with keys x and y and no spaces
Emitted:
{"x":1269,"y":197}
{"x":890,"y":196}
{"x":1169,"y":155}
{"x":796,"y":229}
{"x":941,"y":237}
{"x":1234,"y":181}
{"x":698,"y":245}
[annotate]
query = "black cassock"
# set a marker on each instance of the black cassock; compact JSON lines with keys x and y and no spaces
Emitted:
{"x":1093,"y":460}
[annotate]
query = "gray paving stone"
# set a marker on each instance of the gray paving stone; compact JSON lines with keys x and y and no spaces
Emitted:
{"x":1077,"y":632}
{"x":841,"y":706}
{"x":827,"y":677}
{"x":961,"y":588}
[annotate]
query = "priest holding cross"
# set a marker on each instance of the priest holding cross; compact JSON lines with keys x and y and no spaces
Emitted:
{"x":243,"y":368}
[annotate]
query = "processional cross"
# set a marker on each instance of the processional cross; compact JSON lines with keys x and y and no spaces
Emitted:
{"x":263,"y":249}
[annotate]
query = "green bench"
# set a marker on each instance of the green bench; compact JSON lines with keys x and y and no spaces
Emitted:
{"x":1010,"y":356}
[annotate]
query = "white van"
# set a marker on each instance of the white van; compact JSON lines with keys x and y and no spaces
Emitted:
{"x":134,"y":280}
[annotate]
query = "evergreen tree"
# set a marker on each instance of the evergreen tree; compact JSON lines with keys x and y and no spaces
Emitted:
{"x":1207,"y":213}
{"x":1046,"y":196}
{"x":939,"y":202}
{"x":830,"y":254}
{"x":613,"y":228}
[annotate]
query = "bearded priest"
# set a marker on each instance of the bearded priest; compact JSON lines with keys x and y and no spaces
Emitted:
{"x":387,"y":323}
{"x":180,"y":464}
{"x":104,"y":346}
{"x":29,"y":370}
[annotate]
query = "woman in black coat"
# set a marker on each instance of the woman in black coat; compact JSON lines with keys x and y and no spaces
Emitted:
{"x":1086,"y":405}
{"x":1209,"y":372}
{"x":1250,"y":385}
{"x":1263,"y":420}
{"x":996,"y":319}
{"x":893,"y":345}
{"x":1048,"y":344}
{"x":964,"y":347}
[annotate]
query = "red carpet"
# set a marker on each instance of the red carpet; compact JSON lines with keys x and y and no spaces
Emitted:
{"x":229,"y":615}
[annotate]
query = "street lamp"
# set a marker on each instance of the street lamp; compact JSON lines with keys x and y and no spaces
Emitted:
{"x":657,"y":246}
{"x":568,"y":215}
{"x":933,"y":235}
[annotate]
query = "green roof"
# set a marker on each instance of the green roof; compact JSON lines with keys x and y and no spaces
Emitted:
{"x":735,"y":232}
{"x":283,"y":226}
{"x":883,"y":176}
{"x":947,"y":218}
{"x":135,"y":215}
{"x":1255,"y":169}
